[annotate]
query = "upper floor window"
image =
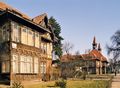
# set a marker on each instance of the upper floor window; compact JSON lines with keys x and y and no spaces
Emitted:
{"x":37,"y":40}
{"x":30,"y":37}
{"x":24,"y":35}
{"x":24,"y":30}
{"x":5,"y":32}
{"x":15,"y":32}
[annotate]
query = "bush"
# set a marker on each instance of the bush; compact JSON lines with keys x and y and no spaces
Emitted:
{"x":17,"y":84}
{"x":61,"y":83}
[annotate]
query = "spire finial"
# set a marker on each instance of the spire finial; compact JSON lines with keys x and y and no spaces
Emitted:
{"x":99,"y":47}
{"x":94,"y":43}
{"x":94,"y":40}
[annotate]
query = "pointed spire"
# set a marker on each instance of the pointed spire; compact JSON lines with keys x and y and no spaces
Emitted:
{"x":94,"y":43}
{"x":99,"y":47}
{"x":94,"y":40}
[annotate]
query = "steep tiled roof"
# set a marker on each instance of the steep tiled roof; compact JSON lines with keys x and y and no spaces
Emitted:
{"x":88,"y":57}
{"x":98,"y":54}
{"x":36,"y":21}
{"x":92,"y":55}
{"x":40,"y":18}
{"x":4,"y":6}
{"x":66,"y":58}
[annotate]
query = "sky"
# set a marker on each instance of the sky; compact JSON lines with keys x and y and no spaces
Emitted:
{"x":80,"y":20}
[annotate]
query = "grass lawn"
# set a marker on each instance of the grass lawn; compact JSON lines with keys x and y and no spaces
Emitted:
{"x":73,"y":84}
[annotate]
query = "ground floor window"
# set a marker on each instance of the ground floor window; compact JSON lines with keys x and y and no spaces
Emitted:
{"x":26,"y":64}
{"x":21,"y":64}
{"x":43,"y":67}
{"x":5,"y":66}
{"x":15,"y":63}
{"x":36,"y":65}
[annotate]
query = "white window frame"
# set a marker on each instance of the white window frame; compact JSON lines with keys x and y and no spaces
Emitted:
{"x":36,"y":61}
{"x":15,"y":63}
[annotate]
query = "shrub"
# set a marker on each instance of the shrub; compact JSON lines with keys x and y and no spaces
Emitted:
{"x":17,"y":84}
{"x":84,"y":75}
{"x":61,"y":83}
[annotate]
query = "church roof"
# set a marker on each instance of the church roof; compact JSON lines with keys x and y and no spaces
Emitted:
{"x":92,"y":55}
{"x":97,"y":54}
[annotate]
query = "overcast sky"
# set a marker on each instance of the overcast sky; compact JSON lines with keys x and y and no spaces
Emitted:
{"x":80,"y":20}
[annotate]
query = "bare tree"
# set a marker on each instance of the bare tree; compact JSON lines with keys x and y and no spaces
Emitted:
{"x":67,"y":67}
{"x":67,"y":47}
{"x":114,"y":49}
{"x":77,"y":53}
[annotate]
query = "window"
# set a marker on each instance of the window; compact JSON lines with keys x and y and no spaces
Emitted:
{"x":5,"y":66}
{"x":37,"y":40}
{"x":44,"y":47}
{"x":15,"y":32}
{"x":30,"y":37}
{"x":36,"y":65}
{"x":48,"y":49}
{"x":29,"y":63}
{"x":22,"y":64}
{"x":15,"y":64}
{"x":24,"y":30}
{"x":5,"y":33}
{"x":51,"y":48}
{"x":43,"y":67}
{"x":24,"y":37}
{"x":26,"y":64}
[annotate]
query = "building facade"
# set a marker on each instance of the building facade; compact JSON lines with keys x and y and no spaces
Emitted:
{"x":25,"y":46}
{"x":97,"y":61}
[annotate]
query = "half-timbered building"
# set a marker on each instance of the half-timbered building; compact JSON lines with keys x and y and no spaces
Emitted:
{"x":25,"y":45}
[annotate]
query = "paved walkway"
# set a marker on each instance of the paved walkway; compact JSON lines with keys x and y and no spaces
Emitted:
{"x":116,"y":81}
{"x":4,"y":86}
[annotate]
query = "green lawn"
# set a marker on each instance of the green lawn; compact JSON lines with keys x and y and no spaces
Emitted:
{"x":73,"y":84}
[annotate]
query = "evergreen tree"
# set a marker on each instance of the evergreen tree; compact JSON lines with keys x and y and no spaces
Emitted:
{"x":57,"y":30}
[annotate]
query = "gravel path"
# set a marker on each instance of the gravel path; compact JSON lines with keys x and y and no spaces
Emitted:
{"x":116,"y":81}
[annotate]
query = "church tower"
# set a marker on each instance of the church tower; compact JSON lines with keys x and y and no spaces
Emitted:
{"x":94,"y":44}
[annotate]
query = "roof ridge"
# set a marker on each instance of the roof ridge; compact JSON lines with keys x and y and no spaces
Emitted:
{"x":44,"y":14}
{"x":5,"y":6}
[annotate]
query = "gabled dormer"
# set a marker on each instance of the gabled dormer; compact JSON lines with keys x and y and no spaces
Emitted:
{"x":42,"y":20}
